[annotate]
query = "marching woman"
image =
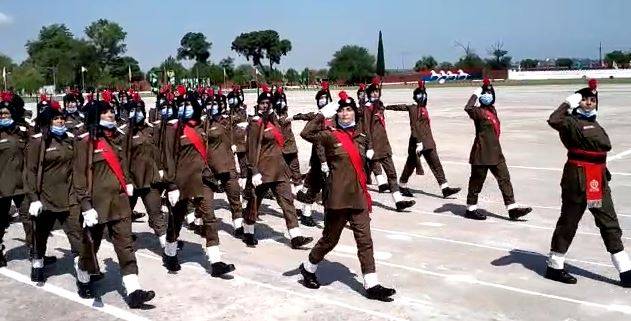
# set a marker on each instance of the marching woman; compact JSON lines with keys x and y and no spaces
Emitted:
{"x":144,"y":166}
{"x":585,"y":184}
{"x":269,"y":171}
{"x":422,"y":144}
{"x":187,"y":177}
{"x":290,"y":150}
{"x":347,"y":200}
{"x":486,"y":154}
{"x":13,"y":139}
{"x":103,"y":187}
{"x":221,"y":162}
{"x":239,"y":116}
{"x":48,"y":177}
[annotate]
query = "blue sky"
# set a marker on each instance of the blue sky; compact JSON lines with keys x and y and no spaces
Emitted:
{"x":411,"y":29}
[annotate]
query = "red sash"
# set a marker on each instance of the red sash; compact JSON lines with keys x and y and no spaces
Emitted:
{"x":197,"y":142}
{"x":594,"y":173}
{"x":423,"y":114}
{"x":379,"y":116}
{"x":345,"y":138}
{"x":492,"y":118}
{"x":278,"y":136}
{"x":112,"y":161}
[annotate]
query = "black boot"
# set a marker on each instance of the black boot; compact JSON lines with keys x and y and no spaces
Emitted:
{"x":37,"y":275}
{"x":250,"y":240}
{"x":309,"y":279}
{"x":302,"y":197}
{"x":380,"y":293}
{"x":307,"y":221}
{"x":406,"y":192}
{"x":401,"y":205}
{"x":3,"y":260}
{"x":299,"y":241}
{"x":171,"y":263}
{"x":518,"y":212}
{"x":625,"y":279}
{"x":448,"y":191}
{"x":384,"y":188}
{"x":238,"y":232}
{"x":96,"y":277}
{"x":85,"y":290}
{"x":135,"y":216}
{"x":218,"y":269}
{"x":475,"y":215}
{"x":137,"y":298}
{"x":560,"y":275}
{"x":180,"y":245}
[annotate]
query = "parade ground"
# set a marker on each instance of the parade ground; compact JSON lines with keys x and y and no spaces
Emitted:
{"x":443,"y":266}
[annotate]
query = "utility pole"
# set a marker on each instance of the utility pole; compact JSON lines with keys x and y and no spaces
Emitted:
{"x":600,"y":53}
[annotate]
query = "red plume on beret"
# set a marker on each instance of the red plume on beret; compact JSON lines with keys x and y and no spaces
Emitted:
{"x":376,"y":80}
{"x":170,"y":97}
{"x":90,"y":97}
{"x":279,"y":89}
{"x":42,"y":98}
{"x":210,"y":91}
{"x":235,"y":87}
{"x":135,"y":96}
{"x":343,"y":95}
{"x":362,"y":86}
{"x":165,"y":89}
{"x":181,"y":89}
{"x":325,"y":85}
{"x":55,"y":105}
{"x":265,"y":88}
{"x":593,"y":84}
{"x":421,"y":83}
{"x":6,"y":96}
{"x":486,"y":81}
{"x":106,"y":95}
{"x":219,"y":92}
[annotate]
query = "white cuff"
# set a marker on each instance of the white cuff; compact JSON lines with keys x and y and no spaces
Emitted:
{"x":310,"y":267}
{"x":403,"y":185}
{"x":213,"y":254}
{"x":443,"y":186}
{"x":294,"y":232}
{"x":199,"y":221}
{"x":163,"y":240}
{"x":190,"y":218}
{"x":306,"y":210}
{"x":248,"y":229}
{"x":130,"y":282}
{"x":397,"y":197}
{"x":170,"y":249}
{"x":382,"y":179}
{"x":556,"y":260}
{"x":82,"y":276}
{"x":472,"y":208}
{"x":370,"y":280}
{"x":37,"y":263}
{"x":621,"y":261}
{"x":512,"y":206}
{"x":237,"y":223}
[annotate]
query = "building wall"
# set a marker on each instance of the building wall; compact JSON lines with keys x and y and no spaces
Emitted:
{"x":569,"y":74}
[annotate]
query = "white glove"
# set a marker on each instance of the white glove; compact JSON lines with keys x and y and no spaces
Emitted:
{"x":478,"y":92}
{"x":257,"y":180}
{"x":329,"y":110}
{"x":370,"y":153}
{"x":242,"y":182}
{"x":173,"y":196}
{"x":130,"y":189}
{"x":234,"y":149}
{"x":35,"y":208}
{"x":574,"y":100}
{"x":90,"y":218}
{"x":161,"y":173}
{"x":325,"y":168}
{"x":419,"y":148}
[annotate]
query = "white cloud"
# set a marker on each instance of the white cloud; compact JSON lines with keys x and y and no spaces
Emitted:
{"x":4,"y":19}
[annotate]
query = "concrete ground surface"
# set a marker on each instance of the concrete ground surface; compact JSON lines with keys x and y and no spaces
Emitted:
{"x":443,"y":266}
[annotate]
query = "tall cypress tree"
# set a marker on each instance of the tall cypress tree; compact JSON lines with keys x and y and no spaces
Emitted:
{"x":381,"y":64}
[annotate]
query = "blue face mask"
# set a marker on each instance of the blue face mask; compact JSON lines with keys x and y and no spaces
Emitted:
{"x":185,"y":112}
{"x":587,"y":114}
{"x":346,"y":125}
{"x":6,"y":122}
{"x":58,"y":130}
{"x":486,"y":99}
{"x":138,"y":117}
{"x":107,"y":124}
{"x":214,"y":110}
{"x":166,"y":112}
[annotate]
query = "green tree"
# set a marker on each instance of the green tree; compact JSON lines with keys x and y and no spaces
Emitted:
{"x":108,"y":39}
{"x":243,"y":74}
{"x":351,"y":64}
{"x":119,"y":69}
{"x":195,"y":47}
{"x":564,"y":63}
{"x":292,"y":76}
{"x":445,"y":65}
{"x":381,"y":64}
{"x":27,"y":77}
{"x":529,"y":63}
{"x":227,"y":64}
{"x":470,"y":60}
{"x":304,"y":77}
{"x":259,"y":45}
{"x":500,"y":59}
{"x":619,"y":57}
{"x":425,"y":63}
{"x":6,"y":62}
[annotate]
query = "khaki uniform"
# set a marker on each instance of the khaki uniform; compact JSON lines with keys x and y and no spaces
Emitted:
{"x":374,"y":123}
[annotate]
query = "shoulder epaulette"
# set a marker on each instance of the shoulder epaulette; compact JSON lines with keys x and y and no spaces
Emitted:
{"x":38,"y":135}
{"x":71,"y":135}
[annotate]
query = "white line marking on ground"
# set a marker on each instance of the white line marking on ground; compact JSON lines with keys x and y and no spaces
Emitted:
{"x":399,"y":237}
{"x":106,"y":308}
{"x":380,"y":255}
{"x":619,"y":155}
{"x":472,"y":280}
{"x":490,"y":247}
{"x":431,"y":224}
{"x":531,"y":167}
